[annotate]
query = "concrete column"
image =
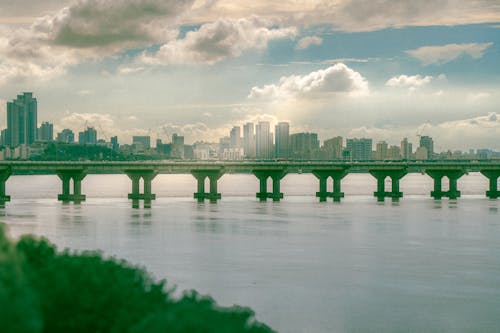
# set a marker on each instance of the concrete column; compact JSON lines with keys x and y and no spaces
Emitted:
{"x":381,"y":175}
{"x":66,"y":176}
{"x":213,"y":176}
{"x":492,"y":175}
{"x":4,"y":175}
{"x":323,"y":176}
{"x":437,"y":176}
{"x":136,"y":195}
{"x":276,"y":176}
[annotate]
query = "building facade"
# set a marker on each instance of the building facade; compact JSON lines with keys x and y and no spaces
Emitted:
{"x":21,"y":120}
{"x":282,"y":140}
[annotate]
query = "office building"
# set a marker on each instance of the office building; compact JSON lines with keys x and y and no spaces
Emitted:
{"x":114,"y":143}
{"x":235,"y":137}
{"x":142,"y":142}
{"x":359,"y":149}
{"x":249,"y":140}
{"x":21,"y":120}
{"x":263,"y":141}
{"x":177,"y":146}
{"x":282,"y":140}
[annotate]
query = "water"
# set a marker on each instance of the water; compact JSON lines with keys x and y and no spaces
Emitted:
{"x":303,"y":266}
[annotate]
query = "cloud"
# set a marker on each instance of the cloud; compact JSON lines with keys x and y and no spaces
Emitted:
{"x":218,"y":40}
{"x":335,"y":79}
{"x":428,"y":55}
{"x":308,"y":41}
{"x":405,"y":81}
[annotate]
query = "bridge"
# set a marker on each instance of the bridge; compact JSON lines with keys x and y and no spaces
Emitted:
{"x":69,"y":171}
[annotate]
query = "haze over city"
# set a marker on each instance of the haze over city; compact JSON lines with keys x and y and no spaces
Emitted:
{"x":198,"y":68}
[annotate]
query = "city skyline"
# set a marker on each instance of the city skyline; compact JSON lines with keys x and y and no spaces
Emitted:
{"x":200,"y":68}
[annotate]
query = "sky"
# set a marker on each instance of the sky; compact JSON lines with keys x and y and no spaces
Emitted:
{"x":382,"y":69}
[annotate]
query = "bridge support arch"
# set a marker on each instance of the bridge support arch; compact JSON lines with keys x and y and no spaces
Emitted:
{"x":276,"y":176}
{"x":492,"y":175}
{"x":453,"y":175}
{"x":4,"y":175}
{"x":147,"y":177}
{"x":336,"y":176}
{"x":213,"y":177}
{"x":381,"y":175}
{"x":66,"y":176}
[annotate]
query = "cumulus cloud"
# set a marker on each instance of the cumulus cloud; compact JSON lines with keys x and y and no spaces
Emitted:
{"x":405,"y":81}
{"x":442,"y":54}
{"x":335,"y":79}
{"x":306,"y":42}
{"x":218,"y":40}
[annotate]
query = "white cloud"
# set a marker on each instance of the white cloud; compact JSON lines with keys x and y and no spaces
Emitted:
{"x":335,"y":79}
{"x":405,"y":81}
{"x":308,"y":41}
{"x":130,"y":69}
{"x":428,"y":55}
{"x":477,"y":96}
{"x":218,"y":40}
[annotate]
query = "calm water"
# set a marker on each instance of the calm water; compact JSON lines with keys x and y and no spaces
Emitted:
{"x":303,"y":266}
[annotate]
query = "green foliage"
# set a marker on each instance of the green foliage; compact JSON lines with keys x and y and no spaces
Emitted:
{"x":42,"y":290}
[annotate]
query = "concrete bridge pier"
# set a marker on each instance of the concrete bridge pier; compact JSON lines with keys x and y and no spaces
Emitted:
{"x":276,"y":176}
{"x":452,"y":175}
{"x":336,"y":176}
{"x":492,"y":175}
{"x":213,"y":177}
{"x":395,"y":176}
{"x":147,"y":177}
{"x":4,"y":175}
{"x":66,"y":176}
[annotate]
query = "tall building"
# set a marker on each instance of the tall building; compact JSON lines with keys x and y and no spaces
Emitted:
{"x":381,"y":151}
{"x":393,"y":153}
{"x":46,"y":132}
{"x":66,"y":136}
{"x":332,"y":148}
{"x":359,"y":149}
{"x":304,"y":145}
{"x":114,"y":143}
{"x":282,"y":140}
{"x":142,"y":142}
{"x":177,"y":146}
{"x":249,"y":140}
{"x":21,"y":120}
{"x":263,"y":141}
{"x":406,"y":149}
{"x":427,"y":143}
{"x":235,"y":137}
{"x":88,"y":137}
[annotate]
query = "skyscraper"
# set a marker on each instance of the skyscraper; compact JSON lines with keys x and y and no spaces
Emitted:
{"x":282,"y":140}
{"x":304,"y":145}
{"x":66,"y":136}
{"x":333,"y":148}
{"x":249,"y":140}
{"x":263,"y":140}
{"x":177,"y":147}
{"x":427,"y":143}
{"x":88,"y":137}
{"x":21,"y":120}
{"x":381,"y":151}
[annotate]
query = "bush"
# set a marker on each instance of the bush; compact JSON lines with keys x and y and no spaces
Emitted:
{"x":42,"y":290}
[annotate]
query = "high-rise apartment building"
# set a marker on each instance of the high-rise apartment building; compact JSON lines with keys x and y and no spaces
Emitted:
{"x":21,"y":120}
{"x":235,"y":137}
{"x":304,"y":145}
{"x":406,"y":149}
{"x":427,"y":143}
{"x":359,"y":149}
{"x":282,"y":140}
{"x":142,"y":142}
{"x":263,"y":141}
{"x":381,"y":151}
{"x":46,"y":132}
{"x":177,"y":146}
{"x":333,"y":148}
{"x":249,"y":140}
{"x":66,"y":136}
{"x":88,"y":137}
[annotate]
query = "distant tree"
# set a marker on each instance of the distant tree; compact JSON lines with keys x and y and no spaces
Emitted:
{"x":42,"y":290}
